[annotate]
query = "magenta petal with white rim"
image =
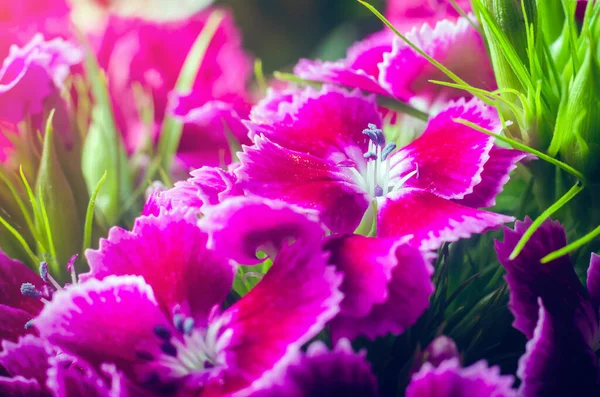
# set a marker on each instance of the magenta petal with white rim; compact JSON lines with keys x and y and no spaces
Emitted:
{"x":449,"y":380}
{"x":456,"y":45}
{"x":170,"y":252}
{"x":432,"y":220}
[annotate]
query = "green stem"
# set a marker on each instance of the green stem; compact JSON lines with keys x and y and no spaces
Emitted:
{"x":574,"y":191}
{"x":573,"y":246}
{"x":89,"y":216}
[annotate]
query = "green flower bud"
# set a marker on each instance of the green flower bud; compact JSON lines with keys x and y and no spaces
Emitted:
{"x":58,"y":216}
{"x":577,"y":133}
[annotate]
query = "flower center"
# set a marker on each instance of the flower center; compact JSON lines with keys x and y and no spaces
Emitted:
{"x":183,"y":352}
{"x":376,"y":178}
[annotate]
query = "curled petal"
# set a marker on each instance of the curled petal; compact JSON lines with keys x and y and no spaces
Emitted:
{"x":170,"y":252}
{"x":14,"y":322}
{"x":340,"y":372}
{"x":556,"y":283}
{"x":557,"y":360}
{"x":449,"y":380}
{"x":271,"y":171}
{"x":449,"y":157}
{"x":12,"y":275}
{"x":241,"y":226}
{"x":456,"y":45}
{"x":288,"y":307}
{"x":408,"y":294}
{"x":432,"y":220}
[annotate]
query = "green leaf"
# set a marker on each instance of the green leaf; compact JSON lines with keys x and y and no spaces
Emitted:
{"x":89,"y":217}
{"x":170,"y":134}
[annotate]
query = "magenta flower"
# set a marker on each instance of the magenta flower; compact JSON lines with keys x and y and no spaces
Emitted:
{"x":555,"y":312}
{"x":316,"y":154}
{"x":386,"y":65}
{"x":133,"y":53}
{"x":16,"y":310}
{"x":407,"y":14}
{"x":449,"y":380}
{"x":31,"y":79}
{"x":321,"y":372}
{"x":156,"y":294}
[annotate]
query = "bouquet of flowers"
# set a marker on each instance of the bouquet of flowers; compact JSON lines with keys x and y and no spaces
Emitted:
{"x":417,"y":218}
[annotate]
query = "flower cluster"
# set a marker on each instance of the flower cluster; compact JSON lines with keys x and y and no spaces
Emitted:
{"x":168,"y":229}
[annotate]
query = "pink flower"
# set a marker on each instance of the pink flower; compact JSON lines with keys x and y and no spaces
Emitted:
{"x":21,"y":20}
{"x":150,"y":55}
{"x":315,"y":153}
{"x":407,"y":14}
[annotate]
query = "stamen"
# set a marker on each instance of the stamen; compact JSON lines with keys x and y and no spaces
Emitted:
{"x":375,"y":135}
{"x":71,"y":267}
{"x":48,"y":279}
{"x":406,"y":178}
{"x":387,"y":150}
{"x":178,"y":321}
{"x":145,"y":356}
{"x":162,"y":332}
{"x":169,"y":349}
{"x":370,"y":156}
{"x":29,"y":324}
{"x":378,"y":191}
{"x":29,"y":290}
{"x":188,"y":326}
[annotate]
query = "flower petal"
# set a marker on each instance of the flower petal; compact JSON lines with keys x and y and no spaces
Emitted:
{"x":272,"y":171}
{"x":408,"y":295}
{"x":288,"y":307}
{"x":321,"y":372}
{"x":241,"y":226}
{"x":367,"y":265}
{"x":27,"y":358}
{"x":557,"y":361}
{"x":456,"y":45}
{"x":170,"y":253}
{"x":593,"y":279}
{"x":358,"y":70}
{"x":432,"y":220}
{"x":406,"y":14}
{"x":528,"y":279}
{"x":449,"y":157}
{"x":32,"y":73}
{"x":322,"y":123}
{"x":13,"y":322}
{"x":207,"y":186}
{"x":496,"y":172}
{"x":123,"y":307}
{"x":12,"y":275}
{"x":21,"y":387}
{"x":449,"y":380}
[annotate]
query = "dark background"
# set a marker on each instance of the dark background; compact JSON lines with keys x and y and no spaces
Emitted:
{"x":281,"y":31}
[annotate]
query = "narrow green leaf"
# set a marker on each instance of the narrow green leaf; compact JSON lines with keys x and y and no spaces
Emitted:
{"x":170,"y":134}
{"x":260,"y":76}
{"x":34,"y":259}
{"x":573,"y":246}
{"x":46,"y":225}
{"x":89,"y":216}
{"x":20,"y":203}
{"x":574,"y":191}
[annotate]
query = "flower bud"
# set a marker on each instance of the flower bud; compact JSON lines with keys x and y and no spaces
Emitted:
{"x":577,"y":133}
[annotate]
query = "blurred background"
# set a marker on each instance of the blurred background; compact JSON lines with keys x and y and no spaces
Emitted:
{"x":281,"y":31}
